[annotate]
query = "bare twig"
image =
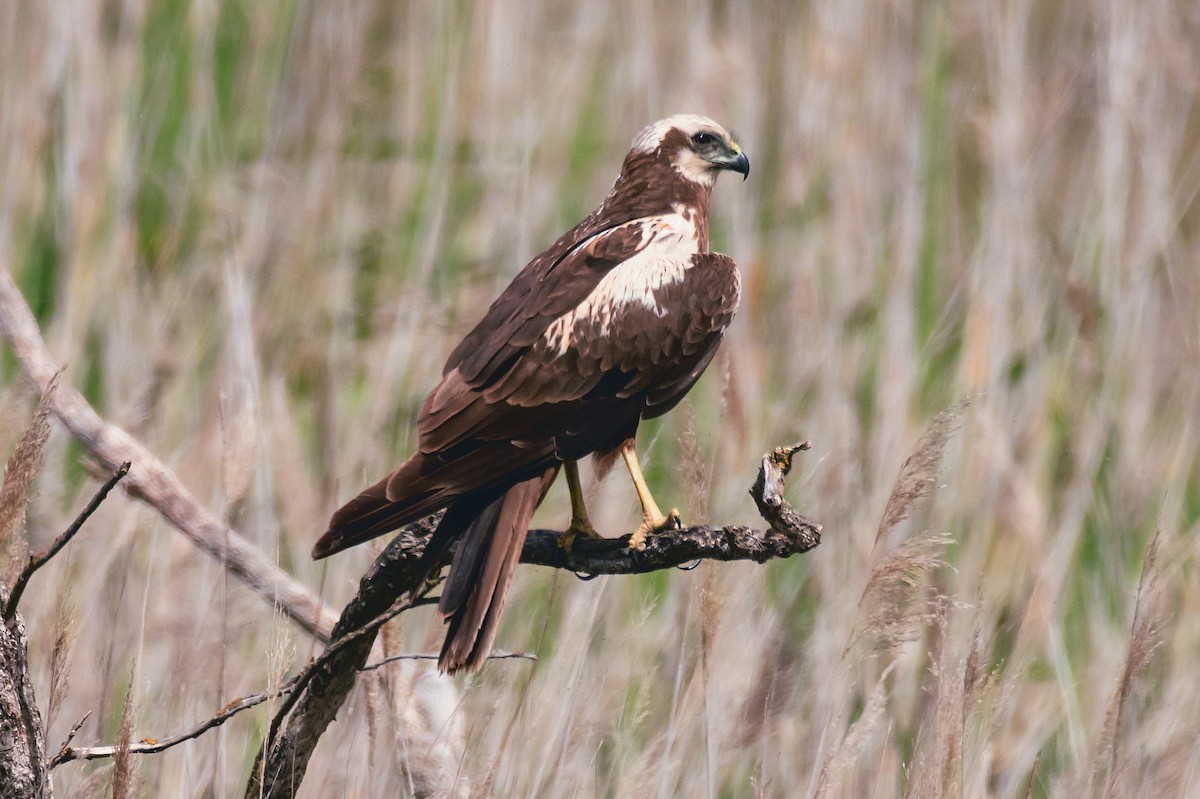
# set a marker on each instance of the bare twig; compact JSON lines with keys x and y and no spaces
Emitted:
{"x":150,"y":746}
{"x":66,"y":744}
{"x":497,"y":655}
{"x":283,"y":760}
{"x":38,"y":561}
{"x":152,"y":481}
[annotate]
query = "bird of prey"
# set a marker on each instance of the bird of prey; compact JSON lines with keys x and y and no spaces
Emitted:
{"x":612,"y":324}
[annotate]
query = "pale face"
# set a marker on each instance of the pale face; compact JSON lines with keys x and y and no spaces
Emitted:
{"x":709,"y":148}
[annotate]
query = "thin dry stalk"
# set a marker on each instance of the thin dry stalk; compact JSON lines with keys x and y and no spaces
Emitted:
{"x":896,"y":604}
{"x":837,"y":769}
{"x":122,"y":772}
{"x":1145,"y":638}
{"x":980,"y":723}
{"x":896,"y":601}
{"x":371,"y":688}
{"x":892,"y":600}
{"x":60,"y":656}
{"x":694,"y":468}
{"x":23,"y":466}
{"x":151,"y":746}
{"x":920,"y":470}
{"x":938,"y":769}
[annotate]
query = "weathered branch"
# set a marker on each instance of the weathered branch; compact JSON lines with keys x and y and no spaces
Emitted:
{"x":151,"y":480}
{"x":150,"y":746}
{"x":23,"y":770}
{"x":283,"y":759}
{"x":38,"y":561}
{"x":496,"y":655}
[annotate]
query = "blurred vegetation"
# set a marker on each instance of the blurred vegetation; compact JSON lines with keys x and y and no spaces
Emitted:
{"x":254,"y":231}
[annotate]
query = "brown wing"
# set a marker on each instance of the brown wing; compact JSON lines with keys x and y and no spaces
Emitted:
{"x":628,"y":353}
{"x":512,"y":329}
{"x":632,"y":349}
{"x":549,"y":286}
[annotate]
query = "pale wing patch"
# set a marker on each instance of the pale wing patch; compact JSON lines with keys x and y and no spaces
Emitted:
{"x":664,"y":260}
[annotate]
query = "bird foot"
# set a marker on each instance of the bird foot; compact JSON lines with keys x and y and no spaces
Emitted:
{"x":654,"y":524}
{"x":580,"y":528}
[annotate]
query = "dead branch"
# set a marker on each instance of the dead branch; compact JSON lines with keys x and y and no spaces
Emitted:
{"x":66,"y":744}
{"x":38,"y":561}
{"x":283,"y":759}
{"x":496,"y":655}
{"x":151,"y":481}
{"x":23,"y":770}
{"x":150,"y":746}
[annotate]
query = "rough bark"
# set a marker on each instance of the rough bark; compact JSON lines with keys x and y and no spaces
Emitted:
{"x":24,"y":773}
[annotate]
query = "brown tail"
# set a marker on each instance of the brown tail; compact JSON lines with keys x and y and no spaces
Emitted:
{"x":372,"y":513}
{"x":426,"y":484}
{"x":474,"y":593}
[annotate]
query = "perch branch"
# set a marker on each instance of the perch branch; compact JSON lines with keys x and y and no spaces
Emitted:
{"x":789,"y":533}
{"x":150,"y":480}
{"x":284,"y":756}
{"x":38,"y":561}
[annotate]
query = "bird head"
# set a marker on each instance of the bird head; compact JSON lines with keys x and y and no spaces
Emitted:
{"x":698,"y":147}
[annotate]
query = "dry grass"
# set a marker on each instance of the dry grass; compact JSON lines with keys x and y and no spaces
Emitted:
{"x":19,"y":474}
{"x":123,"y":767}
{"x":253,"y":232}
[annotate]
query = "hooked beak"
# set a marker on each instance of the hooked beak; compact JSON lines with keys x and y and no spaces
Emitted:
{"x":735,"y":160}
{"x":741,"y":164}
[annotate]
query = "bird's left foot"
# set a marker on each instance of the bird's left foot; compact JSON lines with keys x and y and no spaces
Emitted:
{"x":580,"y":528}
{"x":654,"y":524}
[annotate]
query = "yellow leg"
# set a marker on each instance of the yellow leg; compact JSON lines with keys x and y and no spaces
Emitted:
{"x":580,"y":525}
{"x":653,"y":519}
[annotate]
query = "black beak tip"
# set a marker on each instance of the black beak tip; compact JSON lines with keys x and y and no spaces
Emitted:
{"x":743,"y":165}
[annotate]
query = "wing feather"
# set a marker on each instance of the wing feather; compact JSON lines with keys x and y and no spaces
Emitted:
{"x":521,"y":314}
{"x":629,"y":350}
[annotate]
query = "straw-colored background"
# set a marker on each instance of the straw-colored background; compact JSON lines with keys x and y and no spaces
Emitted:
{"x":255,"y":230}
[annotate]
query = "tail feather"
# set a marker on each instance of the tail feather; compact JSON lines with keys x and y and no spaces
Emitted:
{"x":368,"y":515}
{"x":424,"y":484}
{"x":474,"y":594}
{"x":474,"y":539}
{"x":372,"y":513}
{"x":459,"y":519}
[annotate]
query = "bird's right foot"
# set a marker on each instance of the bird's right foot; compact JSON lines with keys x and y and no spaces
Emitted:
{"x":654,"y":524}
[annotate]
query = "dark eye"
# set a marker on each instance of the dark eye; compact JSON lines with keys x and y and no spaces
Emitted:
{"x":702,"y":138}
